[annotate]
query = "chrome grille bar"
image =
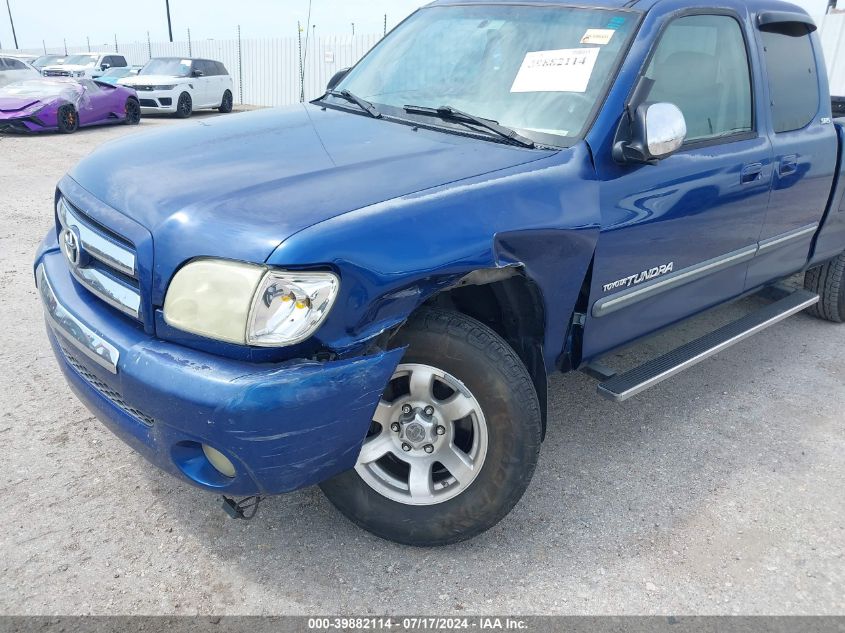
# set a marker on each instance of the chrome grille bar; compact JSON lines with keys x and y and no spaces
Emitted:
{"x":97,"y":245}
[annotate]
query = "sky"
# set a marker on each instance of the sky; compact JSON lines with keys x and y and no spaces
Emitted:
{"x":51,"y":20}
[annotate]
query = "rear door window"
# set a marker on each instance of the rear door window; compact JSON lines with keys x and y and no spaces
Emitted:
{"x":793,"y":79}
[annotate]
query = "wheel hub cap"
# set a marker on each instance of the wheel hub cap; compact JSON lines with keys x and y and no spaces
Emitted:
{"x":428,"y":444}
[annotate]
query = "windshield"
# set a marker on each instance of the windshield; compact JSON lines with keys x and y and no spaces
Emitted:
{"x":169,"y":67}
{"x":38,"y":88}
{"x":81,"y":60}
{"x":539,"y":70}
{"x":46,"y":60}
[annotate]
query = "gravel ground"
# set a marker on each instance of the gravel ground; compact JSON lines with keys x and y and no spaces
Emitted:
{"x":718,"y":492}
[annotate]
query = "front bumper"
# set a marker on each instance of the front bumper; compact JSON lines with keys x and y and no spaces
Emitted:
{"x":162,"y":101}
{"x":284,"y":426}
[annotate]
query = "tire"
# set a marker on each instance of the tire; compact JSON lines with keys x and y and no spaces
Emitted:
{"x":184,"y":106}
{"x":132,"y":112}
{"x":68,"y":119}
{"x":828,"y":281}
{"x":226,"y":103}
{"x":506,"y":421}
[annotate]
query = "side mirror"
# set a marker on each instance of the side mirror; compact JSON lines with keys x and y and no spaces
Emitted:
{"x":657,"y":131}
{"x":196,"y":73}
{"x":105,"y":67}
{"x":337,"y":78}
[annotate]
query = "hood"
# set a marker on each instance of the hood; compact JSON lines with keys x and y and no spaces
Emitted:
{"x":237,"y":186}
{"x":17,"y":104}
{"x":152,"y":80}
{"x":70,"y":67}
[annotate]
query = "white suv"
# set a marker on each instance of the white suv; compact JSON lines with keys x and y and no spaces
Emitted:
{"x":90,"y":65}
{"x":179,"y":86}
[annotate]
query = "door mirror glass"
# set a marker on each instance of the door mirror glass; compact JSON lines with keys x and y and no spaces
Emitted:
{"x":337,"y":78}
{"x":105,"y":67}
{"x":665,"y":129}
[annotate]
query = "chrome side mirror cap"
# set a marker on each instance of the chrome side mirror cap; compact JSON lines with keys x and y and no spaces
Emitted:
{"x":652,"y":132}
{"x":666,"y":129}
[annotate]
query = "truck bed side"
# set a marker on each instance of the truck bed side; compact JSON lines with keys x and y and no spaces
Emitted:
{"x":830,"y":239}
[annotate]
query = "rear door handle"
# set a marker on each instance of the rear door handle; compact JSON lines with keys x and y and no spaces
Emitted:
{"x":788,"y":165}
{"x":752,"y":173}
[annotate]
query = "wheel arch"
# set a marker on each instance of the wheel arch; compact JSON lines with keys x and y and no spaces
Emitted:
{"x":507,"y":301}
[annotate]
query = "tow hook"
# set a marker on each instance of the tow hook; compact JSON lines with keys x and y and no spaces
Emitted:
{"x":239,"y":509}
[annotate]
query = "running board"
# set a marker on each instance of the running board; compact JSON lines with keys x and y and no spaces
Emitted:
{"x":624,"y":386}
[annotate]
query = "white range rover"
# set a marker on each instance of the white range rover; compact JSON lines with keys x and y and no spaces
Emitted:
{"x":175,"y":85}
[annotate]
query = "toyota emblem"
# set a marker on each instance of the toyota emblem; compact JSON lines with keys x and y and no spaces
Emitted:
{"x":69,"y":241}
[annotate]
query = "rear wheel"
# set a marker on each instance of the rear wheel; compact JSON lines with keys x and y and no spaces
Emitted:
{"x":828,"y":281}
{"x":226,"y":103}
{"x":454,"y":440}
{"x":68,"y":119}
{"x":184,"y":106}
{"x":132,"y":112}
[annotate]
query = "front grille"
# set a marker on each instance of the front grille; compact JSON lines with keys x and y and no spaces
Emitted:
{"x":102,"y":261}
{"x":56,"y":73}
{"x":103,"y":389}
{"x":149,"y":103}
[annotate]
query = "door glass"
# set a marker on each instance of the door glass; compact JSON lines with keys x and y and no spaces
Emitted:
{"x":793,"y":83}
{"x":701,"y":65}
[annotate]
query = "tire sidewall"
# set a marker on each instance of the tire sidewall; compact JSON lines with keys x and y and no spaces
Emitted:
{"x":136,"y":118}
{"x":64,"y":129}
{"x":514,"y":430}
{"x":179,"y":113}
{"x":227,"y":103}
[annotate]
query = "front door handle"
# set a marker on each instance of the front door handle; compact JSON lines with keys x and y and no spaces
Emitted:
{"x":788,"y":165}
{"x":752,"y":173}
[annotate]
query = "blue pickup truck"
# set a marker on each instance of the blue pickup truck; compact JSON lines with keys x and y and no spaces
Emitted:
{"x":370,"y":291}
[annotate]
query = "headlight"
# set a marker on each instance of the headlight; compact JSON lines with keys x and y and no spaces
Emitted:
{"x":248,"y":304}
{"x":163,"y":87}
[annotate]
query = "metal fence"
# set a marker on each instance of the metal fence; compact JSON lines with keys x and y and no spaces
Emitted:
{"x":267,"y":71}
{"x":833,"y":41}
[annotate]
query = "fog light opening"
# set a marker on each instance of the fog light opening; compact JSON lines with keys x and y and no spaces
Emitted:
{"x":221,"y":463}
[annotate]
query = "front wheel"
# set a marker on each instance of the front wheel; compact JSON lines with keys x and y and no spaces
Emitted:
{"x":185,"y":106}
{"x":226,"y":103}
{"x":132,"y":112}
{"x":68,"y":119}
{"x":454,"y":440}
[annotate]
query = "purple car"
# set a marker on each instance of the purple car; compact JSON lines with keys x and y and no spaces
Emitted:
{"x":65,"y":105}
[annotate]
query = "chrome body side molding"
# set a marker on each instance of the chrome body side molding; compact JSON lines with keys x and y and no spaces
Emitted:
{"x":614,"y":303}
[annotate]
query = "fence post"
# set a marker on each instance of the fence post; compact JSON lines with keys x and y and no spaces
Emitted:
{"x":88,"y":42}
{"x":190,"y":50}
{"x":115,"y":43}
{"x":240,"y":70}
{"x":44,"y":46}
{"x":65,"y":42}
{"x":385,"y":24}
{"x":301,"y":67}
{"x":149,"y":47}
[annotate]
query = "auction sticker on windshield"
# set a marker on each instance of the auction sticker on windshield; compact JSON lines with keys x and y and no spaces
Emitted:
{"x":565,"y":70}
{"x":598,"y":36}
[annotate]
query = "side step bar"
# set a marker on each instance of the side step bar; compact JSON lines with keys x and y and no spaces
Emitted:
{"x":623,"y":386}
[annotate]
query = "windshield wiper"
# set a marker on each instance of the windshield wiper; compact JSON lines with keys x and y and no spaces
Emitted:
{"x":365,"y":105}
{"x":450,"y":113}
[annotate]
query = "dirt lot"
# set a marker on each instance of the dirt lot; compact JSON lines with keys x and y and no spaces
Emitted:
{"x":718,"y":492}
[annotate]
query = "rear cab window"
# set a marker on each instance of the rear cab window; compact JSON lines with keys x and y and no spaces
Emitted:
{"x":793,"y":79}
